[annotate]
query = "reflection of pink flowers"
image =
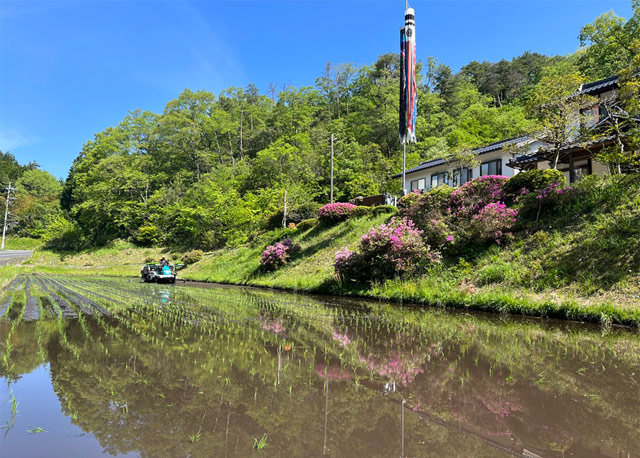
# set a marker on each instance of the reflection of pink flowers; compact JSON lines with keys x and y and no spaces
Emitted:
{"x":272,"y":325}
{"x":501,"y":408}
{"x":343,"y":339}
{"x":402,"y":368}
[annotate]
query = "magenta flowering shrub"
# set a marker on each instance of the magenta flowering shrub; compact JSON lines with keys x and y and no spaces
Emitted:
{"x":494,"y":223}
{"x":274,"y":256}
{"x":552,"y":190}
{"x":452,"y":218}
{"x":437,"y":233}
{"x":533,"y":204}
{"x":423,"y":208}
{"x":334,"y":213}
{"x":471,"y":197}
{"x":278,"y":254}
{"x":386,"y":251}
{"x":344,"y":262}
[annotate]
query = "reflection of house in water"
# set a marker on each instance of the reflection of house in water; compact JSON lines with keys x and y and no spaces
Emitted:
{"x":510,"y":156}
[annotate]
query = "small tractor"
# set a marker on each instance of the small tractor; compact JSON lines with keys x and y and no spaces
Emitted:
{"x":157,"y":273}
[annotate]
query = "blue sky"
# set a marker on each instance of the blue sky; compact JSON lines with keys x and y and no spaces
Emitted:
{"x":71,"y":69}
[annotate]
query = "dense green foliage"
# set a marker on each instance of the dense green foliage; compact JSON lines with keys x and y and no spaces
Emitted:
{"x":532,"y":180}
{"x":35,"y":200}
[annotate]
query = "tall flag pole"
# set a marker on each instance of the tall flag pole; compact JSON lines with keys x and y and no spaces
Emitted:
{"x":408,"y":88}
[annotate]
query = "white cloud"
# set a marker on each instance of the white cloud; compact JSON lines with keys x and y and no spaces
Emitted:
{"x":12,"y":139}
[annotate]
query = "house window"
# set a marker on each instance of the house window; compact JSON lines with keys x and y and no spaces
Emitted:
{"x":603,"y":113}
{"x":418,"y":184}
{"x":439,"y":178}
{"x":576,"y":170}
{"x":461,"y":176}
{"x":581,"y":169}
{"x":491,"y":168}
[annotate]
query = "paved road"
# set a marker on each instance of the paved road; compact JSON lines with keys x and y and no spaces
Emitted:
{"x":14,"y":256}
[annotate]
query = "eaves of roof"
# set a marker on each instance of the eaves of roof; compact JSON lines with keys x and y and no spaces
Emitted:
{"x":477,"y":151}
{"x":600,"y":86}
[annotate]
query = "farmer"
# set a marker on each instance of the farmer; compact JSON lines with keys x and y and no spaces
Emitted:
{"x":164,"y":262}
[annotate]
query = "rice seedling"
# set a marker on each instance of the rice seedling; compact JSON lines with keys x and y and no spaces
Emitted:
{"x":193,"y":438}
{"x":36,"y":430}
{"x":261,"y":443}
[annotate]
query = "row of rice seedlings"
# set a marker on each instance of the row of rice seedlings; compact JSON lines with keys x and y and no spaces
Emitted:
{"x":15,"y":314}
{"x":272,"y":363}
{"x":61,"y":306}
{"x":9,"y":296}
{"x":32,"y":307}
{"x":87,"y":287}
{"x":79,"y":303}
{"x":64,"y":311}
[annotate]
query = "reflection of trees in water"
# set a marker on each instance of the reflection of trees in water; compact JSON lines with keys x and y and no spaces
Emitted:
{"x":146,"y":380}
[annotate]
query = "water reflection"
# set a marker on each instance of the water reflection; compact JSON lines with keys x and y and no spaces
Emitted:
{"x":209,"y":372}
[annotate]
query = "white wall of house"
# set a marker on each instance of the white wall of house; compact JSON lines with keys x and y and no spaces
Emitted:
{"x":598,"y":168}
{"x":422,"y":179}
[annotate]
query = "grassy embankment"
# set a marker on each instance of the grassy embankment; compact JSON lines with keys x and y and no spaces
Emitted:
{"x":583,"y":264}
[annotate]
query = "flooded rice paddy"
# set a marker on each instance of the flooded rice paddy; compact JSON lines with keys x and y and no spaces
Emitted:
{"x":95,"y":366}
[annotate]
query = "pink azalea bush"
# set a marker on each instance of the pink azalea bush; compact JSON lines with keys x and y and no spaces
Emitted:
{"x":437,"y":233}
{"x":471,"y":197}
{"x":277,"y":255}
{"x":274,"y":256}
{"x":494,"y":223}
{"x":453,"y":218}
{"x":334,"y":213}
{"x":345,"y":261}
{"x":386,"y":251}
{"x":543,"y":200}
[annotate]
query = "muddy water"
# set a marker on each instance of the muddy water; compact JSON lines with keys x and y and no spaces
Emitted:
{"x":97,"y":366}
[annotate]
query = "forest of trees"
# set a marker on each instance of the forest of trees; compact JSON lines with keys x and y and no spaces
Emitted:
{"x":211,"y":170}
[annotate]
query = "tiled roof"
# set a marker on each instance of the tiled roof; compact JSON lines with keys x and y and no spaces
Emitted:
{"x":498,"y":145}
{"x":424,"y":165}
{"x":477,"y":151}
{"x":524,"y":159}
{"x":599,"y":86}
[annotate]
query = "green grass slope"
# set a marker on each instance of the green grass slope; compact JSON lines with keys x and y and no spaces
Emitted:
{"x":580,"y":263}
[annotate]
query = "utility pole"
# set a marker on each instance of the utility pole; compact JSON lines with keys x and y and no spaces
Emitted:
{"x":331,"y":168}
{"x":6,"y":213}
